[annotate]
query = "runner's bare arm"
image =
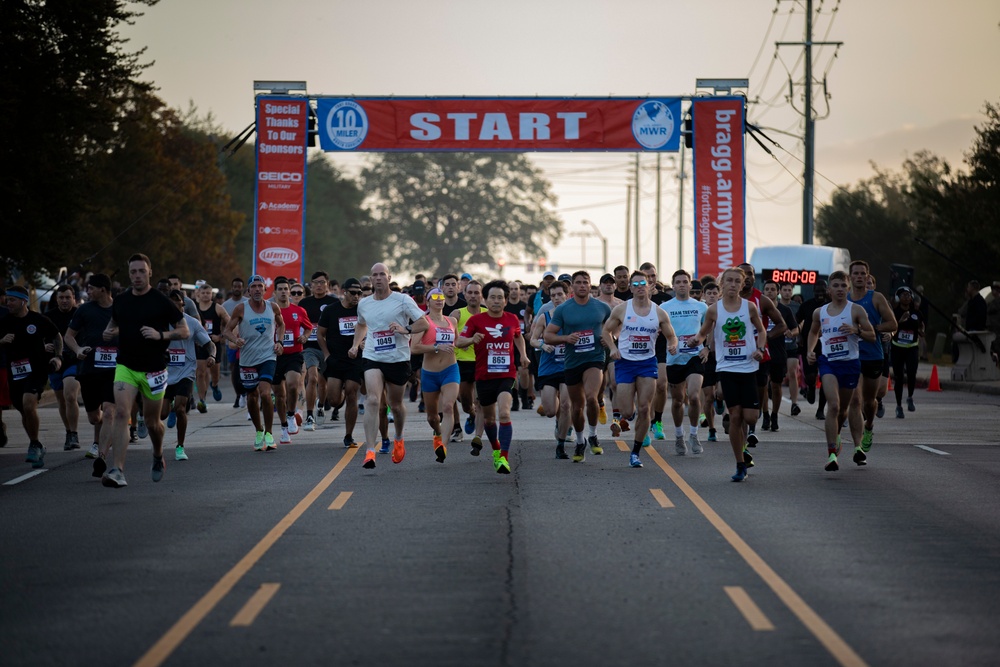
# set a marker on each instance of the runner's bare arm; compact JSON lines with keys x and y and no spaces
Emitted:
{"x":708,"y":325}
{"x":612,"y":326}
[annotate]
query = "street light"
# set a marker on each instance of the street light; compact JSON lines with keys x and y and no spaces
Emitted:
{"x":604,"y":243}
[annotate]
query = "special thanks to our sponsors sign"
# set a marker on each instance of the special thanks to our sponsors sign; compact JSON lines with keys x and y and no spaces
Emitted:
{"x":280,"y":201}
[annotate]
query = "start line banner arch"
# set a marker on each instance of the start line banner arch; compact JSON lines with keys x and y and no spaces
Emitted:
{"x":500,"y":124}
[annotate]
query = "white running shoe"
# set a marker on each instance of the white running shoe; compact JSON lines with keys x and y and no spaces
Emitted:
{"x":293,"y":426}
{"x":285,"y":438}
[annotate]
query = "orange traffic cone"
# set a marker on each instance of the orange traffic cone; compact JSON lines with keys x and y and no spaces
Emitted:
{"x":934,"y":384}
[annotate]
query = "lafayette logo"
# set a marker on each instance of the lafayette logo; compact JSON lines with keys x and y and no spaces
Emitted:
{"x":278,"y":256}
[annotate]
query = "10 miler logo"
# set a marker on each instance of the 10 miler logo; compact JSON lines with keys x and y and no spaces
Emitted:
{"x":347,"y":124}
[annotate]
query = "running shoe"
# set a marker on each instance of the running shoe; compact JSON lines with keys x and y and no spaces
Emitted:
{"x":421,"y":408}
{"x":321,"y":417}
{"x":831,"y":463}
{"x":236,"y":403}
{"x":616,"y":428}
{"x":216,"y":392}
{"x":657,"y":429}
{"x":725,"y":423}
{"x":72,"y":441}
{"x":100,"y":465}
{"x":456,"y":434}
{"x":310,"y":424}
{"x":602,"y":415}
{"x":500,"y":463}
{"x":695,"y":445}
{"x":796,"y":409}
{"x":140,"y":429}
{"x":349,"y":442}
{"x":180,"y":454}
{"x":470,"y":424}
{"x":171,"y":419}
{"x":680,"y":446}
{"x":243,"y":400}
{"x":156,"y":472}
{"x":561,"y":452}
{"x":269,"y":444}
{"x":94,"y":452}
{"x":747,"y":459}
{"x":859,"y":457}
{"x":624,"y":424}
{"x":910,"y":407}
{"x":580,"y":453}
{"x":712,"y":437}
{"x":361,"y":409}
{"x":741,"y":472}
{"x":774,"y":422}
{"x":36,"y":456}
{"x":765,"y":421}
{"x":369,"y":459}
{"x":633,"y":461}
{"x":702,"y":420}
{"x":114,"y":479}
{"x":720,"y":407}
{"x":285,"y":438}
{"x":388,"y":411}
{"x":398,"y":450}
{"x":646,"y":441}
{"x":899,"y":412}
{"x":866,"y":440}
{"x":595,"y":446}
{"x":335,"y":415}
{"x":258,"y":442}
{"x":752,"y":439}
{"x":202,"y":408}
{"x":440,"y":451}
{"x":292,"y":425}
{"x":820,"y":415}
{"x":132,"y":437}
{"x":880,"y":410}
{"x":386,"y":445}
{"x":541,"y":410}
{"x":477,"y":445}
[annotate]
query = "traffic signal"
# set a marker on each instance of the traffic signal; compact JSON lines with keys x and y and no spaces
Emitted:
{"x":311,"y":131}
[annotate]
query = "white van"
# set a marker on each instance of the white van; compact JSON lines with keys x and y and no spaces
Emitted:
{"x":800,"y":265}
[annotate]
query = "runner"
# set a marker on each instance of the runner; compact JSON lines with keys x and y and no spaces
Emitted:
{"x":621,"y":278}
{"x":467,"y":366}
{"x":659,"y":297}
{"x":141,"y":319}
{"x":384,"y":321}
{"x":578,"y":323}
{"x":95,"y":365}
{"x":256,"y":329}
{"x":905,"y":348}
{"x":837,"y":326}
{"x":344,"y":375}
{"x":63,"y":382}
{"x":174,"y":282}
{"x":439,"y":376}
{"x":804,"y":318}
{"x":214,"y":318}
{"x":685,"y":365}
{"x":865,"y":402}
{"x":236,"y":297}
{"x":496,"y":335}
{"x":182,"y":371}
{"x":710,"y":390}
{"x":792,"y":346}
{"x":551,"y":376}
{"x":313,"y":355}
{"x":777,"y":346}
{"x":453,"y":299}
{"x":606,"y":294}
{"x":733,"y":321}
{"x":288,"y":365}
{"x":26,"y":337}
{"x":635,"y":324}
{"x":526,"y":388}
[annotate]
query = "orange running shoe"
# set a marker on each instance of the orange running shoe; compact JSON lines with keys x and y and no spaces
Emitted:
{"x":398,"y":451}
{"x":369,"y":459}
{"x":439,"y":449}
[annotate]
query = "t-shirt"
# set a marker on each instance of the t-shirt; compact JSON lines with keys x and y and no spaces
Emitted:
{"x":586,"y":320}
{"x":182,"y":361}
{"x":686,"y":317}
{"x":61,"y":320}
{"x":495,"y":352}
{"x":296,"y":323}
{"x":314,"y":308}
{"x":132,"y":312}
{"x":339,"y":323}
{"x":381,"y":344}
{"x":230,"y":305}
{"x":460,"y":303}
{"x":89,"y":323}
{"x":517,"y":310}
{"x":26,"y":355}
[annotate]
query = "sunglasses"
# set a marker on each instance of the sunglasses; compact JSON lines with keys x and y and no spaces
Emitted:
{"x":354,"y":292}
{"x":638,"y":283}
{"x":298,"y":293}
{"x":437,"y":297}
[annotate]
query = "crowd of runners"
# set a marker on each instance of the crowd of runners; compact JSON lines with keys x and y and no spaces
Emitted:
{"x":469,"y":352}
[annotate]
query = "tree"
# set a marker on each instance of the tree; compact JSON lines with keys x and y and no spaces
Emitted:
{"x":441,"y":212}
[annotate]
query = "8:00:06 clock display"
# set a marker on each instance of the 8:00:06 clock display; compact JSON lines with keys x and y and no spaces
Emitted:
{"x":792,"y":276}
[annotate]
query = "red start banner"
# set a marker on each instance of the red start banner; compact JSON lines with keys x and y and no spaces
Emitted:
{"x":499,"y":124}
{"x":280,"y":202}
{"x":719,"y":184}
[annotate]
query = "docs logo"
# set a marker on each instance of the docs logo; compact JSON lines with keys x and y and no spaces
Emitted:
{"x":346,"y":125}
{"x":277,"y":256}
{"x":653,"y":124}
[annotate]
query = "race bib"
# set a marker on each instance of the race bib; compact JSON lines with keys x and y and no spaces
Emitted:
{"x":288,"y":340}
{"x":385,"y":341}
{"x":20,"y":369}
{"x":312,"y":334}
{"x":208,"y":326}
{"x":444,"y":337}
{"x":157,"y":382}
{"x":639,"y":345}
{"x":835,"y":347}
{"x":586,"y":341}
{"x":559,"y":355}
{"x":906,"y":337}
{"x":770,"y":326}
{"x":686,"y":345}
{"x":498,"y":362}
{"x":248,"y":375}
{"x":347,"y":325}
{"x":735,"y":350}
{"x":177,"y":356}
{"x":105,"y":357}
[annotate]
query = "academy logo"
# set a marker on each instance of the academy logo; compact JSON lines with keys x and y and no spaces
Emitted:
{"x":653,"y":124}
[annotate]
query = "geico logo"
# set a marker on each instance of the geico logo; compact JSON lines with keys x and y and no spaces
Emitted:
{"x":281,"y":176}
{"x":278,"y":256}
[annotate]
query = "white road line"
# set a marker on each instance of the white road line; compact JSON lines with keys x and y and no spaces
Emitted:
{"x":18,"y":480}
{"x":932,"y":450}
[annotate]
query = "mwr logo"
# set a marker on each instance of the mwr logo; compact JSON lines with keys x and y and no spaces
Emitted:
{"x":653,"y":124}
{"x":278,"y":206}
{"x":278,"y":256}
{"x":280,"y":176}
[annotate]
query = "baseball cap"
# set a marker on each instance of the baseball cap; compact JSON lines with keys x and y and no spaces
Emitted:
{"x":256,"y":278}
{"x":466,"y":276}
{"x":548,"y":274}
{"x":903,"y":288}
{"x":17,"y":292}
{"x":607,"y":278}
{"x":696,"y":284}
{"x":418,"y":286}
{"x":351,"y":282}
{"x":566,"y":277}
{"x":100,"y":280}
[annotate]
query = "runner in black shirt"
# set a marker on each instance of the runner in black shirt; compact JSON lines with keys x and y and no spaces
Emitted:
{"x":311,"y":353}
{"x":64,"y":383}
{"x":344,"y":376}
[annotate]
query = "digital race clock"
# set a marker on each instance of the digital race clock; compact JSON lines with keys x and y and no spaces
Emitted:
{"x":791,"y":276}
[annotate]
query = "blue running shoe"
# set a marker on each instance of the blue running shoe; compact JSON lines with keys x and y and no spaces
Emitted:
{"x":633,"y":461}
{"x":657,"y":429}
{"x":645,"y":441}
{"x":470,"y":424}
{"x":216,"y":392}
{"x":741,"y":472}
{"x":171,"y":419}
{"x":386,"y":444}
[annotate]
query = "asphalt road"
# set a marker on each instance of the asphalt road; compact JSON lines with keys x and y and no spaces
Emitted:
{"x":244,"y":558}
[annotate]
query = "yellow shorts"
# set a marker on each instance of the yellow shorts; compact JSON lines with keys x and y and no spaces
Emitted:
{"x":151,"y":385}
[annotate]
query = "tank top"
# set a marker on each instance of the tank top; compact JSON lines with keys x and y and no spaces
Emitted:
{"x":637,"y":339}
{"x":834,"y":345}
{"x":550,"y":363}
{"x":210,"y":320}
{"x":735,"y":339}
{"x":257,"y":329}
{"x":870,"y":351}
{"x":468,"y":353}
{"x":439,"y":335}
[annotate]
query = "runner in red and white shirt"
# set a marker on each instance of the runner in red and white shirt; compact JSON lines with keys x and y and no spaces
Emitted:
{"x":288,"y":369}
{"x":496,"y":334}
